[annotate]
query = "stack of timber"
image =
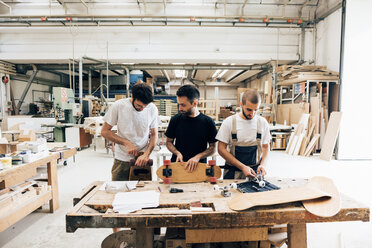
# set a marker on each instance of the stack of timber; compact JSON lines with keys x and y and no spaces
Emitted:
{"x":166,"y":107}
{"x":293,"y":74}
{"x":303,"y":140}
{"x":210,"y":108}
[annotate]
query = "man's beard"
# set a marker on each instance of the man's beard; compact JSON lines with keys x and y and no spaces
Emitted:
{"x":135,"y":106}
{"x":187,"y":113}
{"x":246,"y":116}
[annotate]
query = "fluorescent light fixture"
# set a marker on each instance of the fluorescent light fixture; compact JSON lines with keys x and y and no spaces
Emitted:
{"x":222,"y":73}
{"x":216,"y":73}
{"x":178,"y":63}
{"x":179,"y":73}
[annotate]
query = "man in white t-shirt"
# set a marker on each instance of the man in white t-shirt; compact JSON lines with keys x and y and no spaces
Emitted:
{"x":137,"y":121}
{"x":244,"y":140}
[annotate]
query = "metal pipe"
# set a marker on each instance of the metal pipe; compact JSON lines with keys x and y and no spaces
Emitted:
{"x":26,"y":89}
{"x":101,"y":84}
{"x":128,"y":79}
{"x":81,"y":80}
{"x":90,"y":82}
{"x":107,"y":72}
{"x":6,"y":5}
{"x":86,"y":5}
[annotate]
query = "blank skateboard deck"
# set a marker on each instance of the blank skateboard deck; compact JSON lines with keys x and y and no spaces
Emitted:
{"x":324,"y":207}
{"x":312,"y":190}
{"x":181,"y":175}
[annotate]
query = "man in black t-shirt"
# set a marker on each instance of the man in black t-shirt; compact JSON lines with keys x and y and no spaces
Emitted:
{"x":192,"y":130}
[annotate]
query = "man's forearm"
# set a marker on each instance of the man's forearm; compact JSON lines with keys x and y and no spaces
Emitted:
{"x":230,"y":159}
{"x":152,"y":142}
{"x":171,"y":147}
{"x":208,"y":152}
{"x":110,"y":135}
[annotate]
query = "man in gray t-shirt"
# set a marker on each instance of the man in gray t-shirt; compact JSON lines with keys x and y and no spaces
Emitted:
{"x":136,"y":119}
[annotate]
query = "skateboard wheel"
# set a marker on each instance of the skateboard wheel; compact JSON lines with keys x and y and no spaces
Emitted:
{"x":262,"y":184}
{"x":132,"y":162}
{"x":212,"y":162}
{"x":215,"y":187}
{"x":167,"y":180}
{"x":167,"y":162}
{"x":150,"y":162}
{"x":213,"y":180}
{"x":234,"y":186}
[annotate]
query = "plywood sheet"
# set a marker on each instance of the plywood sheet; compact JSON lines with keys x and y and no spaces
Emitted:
{"x":331,"y":135}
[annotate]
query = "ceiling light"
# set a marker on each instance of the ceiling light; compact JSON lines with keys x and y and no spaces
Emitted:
{"x":216,"y":73}
{"x":179,"y":73}
{"x":222,"y":73}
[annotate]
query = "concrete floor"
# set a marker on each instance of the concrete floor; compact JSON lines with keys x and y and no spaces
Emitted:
{"x":42,"y":229}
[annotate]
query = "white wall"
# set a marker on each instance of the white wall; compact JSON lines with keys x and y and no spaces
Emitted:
{"x":328,"y":39}
{"x":355,"y":134}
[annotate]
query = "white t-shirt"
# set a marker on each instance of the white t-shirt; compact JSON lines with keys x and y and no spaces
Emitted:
{"x":132,"y":125}
{"x":246,"y":130}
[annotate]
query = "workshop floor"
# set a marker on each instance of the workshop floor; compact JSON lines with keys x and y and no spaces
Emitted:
{"x":42,"y":229}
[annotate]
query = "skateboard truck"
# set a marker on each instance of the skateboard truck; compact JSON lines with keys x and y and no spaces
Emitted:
{"x":225,"y":189}
{"x":259,"y":180}
{"x":210,"y":172}
{"x":167,"y":172}
{"x":175,"y":190}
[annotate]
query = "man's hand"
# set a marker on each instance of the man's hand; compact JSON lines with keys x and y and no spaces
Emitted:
{"x":248,"y":172}
{"x":262,"y":170}
{"x":142,"y":160}
{"x":179,"y":157}
{"x":192,"y":163}
{"x":131,"y":149}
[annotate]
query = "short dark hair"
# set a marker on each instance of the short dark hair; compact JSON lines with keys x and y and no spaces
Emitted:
{"x":251,"y":95}
{"x":142,"y":92}
{"x":190,"y":91}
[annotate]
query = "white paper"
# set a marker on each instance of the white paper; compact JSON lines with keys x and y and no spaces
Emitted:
{"x":126,"y":202}
{"x":117,"y":186}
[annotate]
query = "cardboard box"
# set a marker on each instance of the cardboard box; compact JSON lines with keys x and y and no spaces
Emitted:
{"x":118,"y":97}
{"x":8,"y":148}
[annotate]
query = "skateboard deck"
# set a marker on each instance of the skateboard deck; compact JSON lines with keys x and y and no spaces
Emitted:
{"x":315,"y":189}
{"x":181,"y":175}
{"x":324,"y":207}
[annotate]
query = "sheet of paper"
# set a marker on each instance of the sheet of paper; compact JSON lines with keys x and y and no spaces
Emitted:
{"x":130,"y":185}
{"x":126,"y":202}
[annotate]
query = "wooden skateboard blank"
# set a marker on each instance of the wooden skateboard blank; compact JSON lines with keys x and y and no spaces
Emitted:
{"x":331,"y":136}
{"x":324,"y":207}
{"x":181,"y":175}
{"x":312,"y":190}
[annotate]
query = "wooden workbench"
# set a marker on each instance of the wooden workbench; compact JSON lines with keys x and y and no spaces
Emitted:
{"x":92,"y":209}
{"x":20,"y":173}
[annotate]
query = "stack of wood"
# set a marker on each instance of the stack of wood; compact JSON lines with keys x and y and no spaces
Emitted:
{"x":292,"y":74}
{"x":210,"y":108}
{"x":304,"y":139}
{"x":166,"y":107}
{"x":224,"y":113}
{"x":96,"y":107}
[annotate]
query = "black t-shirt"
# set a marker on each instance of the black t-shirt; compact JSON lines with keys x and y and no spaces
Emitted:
{"x":192,"y":134}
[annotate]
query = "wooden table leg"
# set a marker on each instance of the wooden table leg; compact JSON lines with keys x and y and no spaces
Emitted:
{"x":297,"y":237}
{"x":144,"y":237}
{"x":53,"y":182}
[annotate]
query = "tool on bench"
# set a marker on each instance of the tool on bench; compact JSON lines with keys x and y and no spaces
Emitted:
{"x":225,"y":189}
{"x":143,"y":173}
{"x":175,"y":190}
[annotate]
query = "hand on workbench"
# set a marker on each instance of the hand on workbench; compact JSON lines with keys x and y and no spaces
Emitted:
{"x":192,"y":164}
{"x":142,"y":160}
{"x":179,"y":158}
{"x":131,"y":149}
{"x":262,"y":170}
{"x":248,"y":172}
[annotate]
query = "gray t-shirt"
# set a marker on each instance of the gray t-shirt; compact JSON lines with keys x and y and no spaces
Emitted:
{"x":132,"y":125}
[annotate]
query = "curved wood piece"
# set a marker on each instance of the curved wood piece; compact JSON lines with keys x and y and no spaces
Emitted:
{"x":181,"y":175}
{"x":324,"y":207}
{"x":312,"y":190}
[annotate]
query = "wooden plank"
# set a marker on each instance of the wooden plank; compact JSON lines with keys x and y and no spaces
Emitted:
{"x":311,"y":145}
{"x":331,"y":135}
{"x":305,"y":141}
{"x":298,"y":145}
{"x":144,"y":237}
{"x":216,"y":235}
{"x":294,"y":144}
{"x":53,"y":182}
{"x":297,"y":237}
